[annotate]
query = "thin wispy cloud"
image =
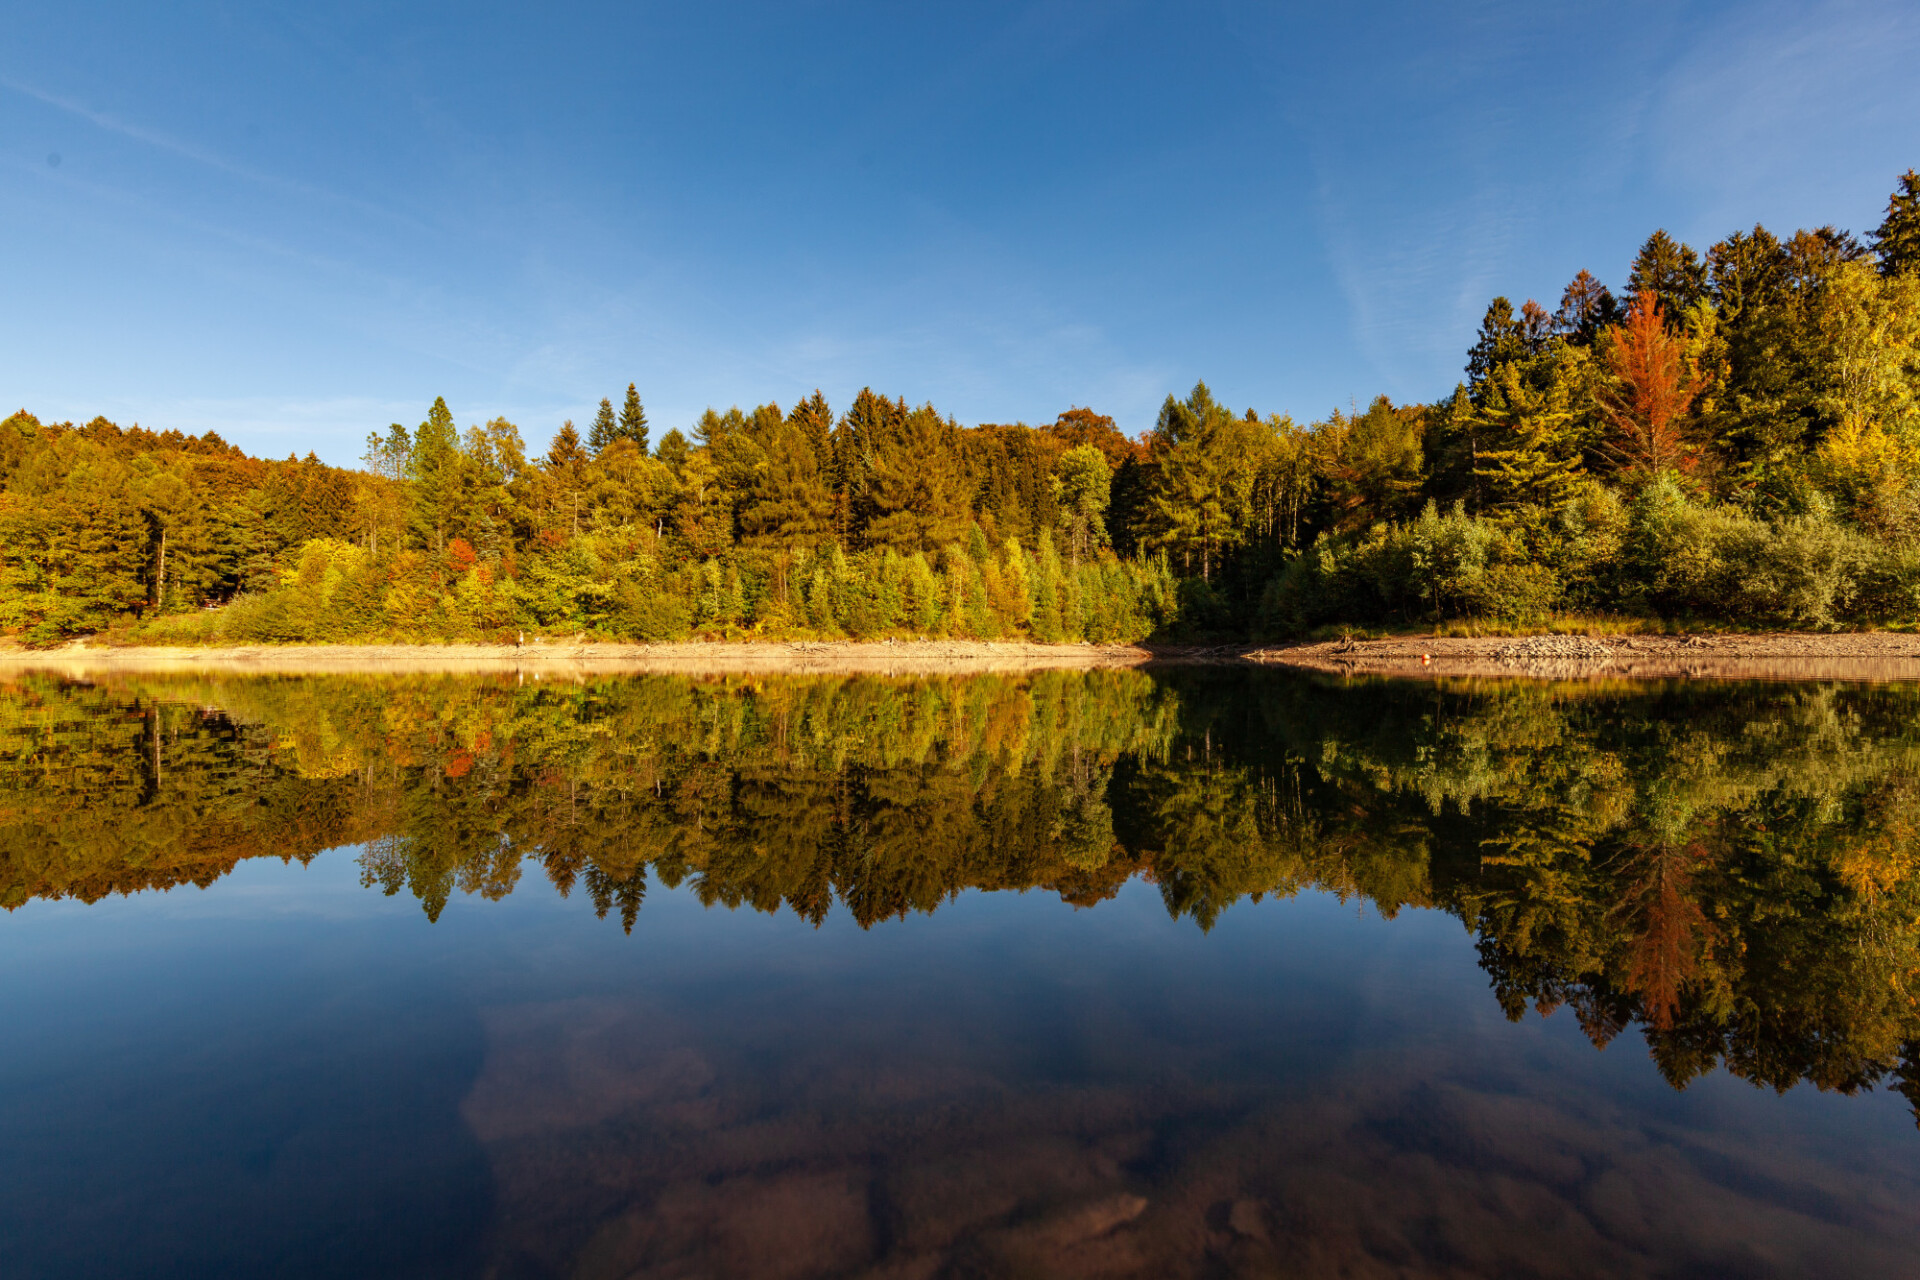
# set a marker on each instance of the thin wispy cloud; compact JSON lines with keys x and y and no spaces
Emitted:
{"x":169,"y":144}
{"x":1046,"y":204}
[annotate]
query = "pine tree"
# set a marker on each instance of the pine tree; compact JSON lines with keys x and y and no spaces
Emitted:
{"x":1745,"y":273}
{"x":633,"y":420}
{"x":1897,"y":239}
{"x":814,"y":420}
{"x":604,"y":430}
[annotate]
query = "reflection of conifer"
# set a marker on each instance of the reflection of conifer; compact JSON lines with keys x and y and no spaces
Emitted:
{"x":606,"y":889}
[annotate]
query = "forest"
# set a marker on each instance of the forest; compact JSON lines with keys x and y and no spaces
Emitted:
{"x":1732,"y":439}
{"x":1731,"y":869}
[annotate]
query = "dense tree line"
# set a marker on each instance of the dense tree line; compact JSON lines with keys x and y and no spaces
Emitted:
{"x":885,"y":520}
{"x":1735,"y":436}
{"x":1732,"y":869}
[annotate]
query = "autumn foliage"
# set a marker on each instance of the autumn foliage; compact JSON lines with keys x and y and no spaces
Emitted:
{"x":1655,"y":387}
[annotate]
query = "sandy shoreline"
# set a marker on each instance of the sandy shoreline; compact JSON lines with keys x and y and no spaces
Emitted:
{"x":1776,"y":656}
{"x":571,"y":659}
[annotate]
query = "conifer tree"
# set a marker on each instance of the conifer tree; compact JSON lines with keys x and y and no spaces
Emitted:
{"x":633,"y":420}
{"x":814,"y":420}
{"x":433,"y":468}
{"x":566,"y":466}
{"x":673,"y":450}
{"x":1669,"y":272}
{"x":1586,"y":308}
{"x":604,"y":430}
{"x":1655,"y":387}
{"x":1498,"y":341}
{"x":1897,"y":239}
{"x":1528,"y":455}
{"x":913,"y":491}
{"x":791,"y":503}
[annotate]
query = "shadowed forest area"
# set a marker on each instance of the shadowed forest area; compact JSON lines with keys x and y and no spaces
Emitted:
{"x":1735,"y":438}
{"x":1731,"y":869}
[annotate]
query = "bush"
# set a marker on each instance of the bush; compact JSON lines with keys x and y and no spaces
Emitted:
{"x":1888,"y":586}
{"x":1519,"y":592}
{"x":44,"y":634}
{"x":1436,"y":566}
{"x":1802,"y":570}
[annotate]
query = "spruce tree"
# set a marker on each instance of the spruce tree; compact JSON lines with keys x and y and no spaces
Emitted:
{"x":433,"y":468}
{"x":673,"y":450}
{"x":1897,"y":240}
{"x":567,"y":465}
{"x":790,"y":503}
{"x":604,"y":430}
{"x":1671,"y":273}
{"x":815,"y":421}
{"x":1498,"y":341}
{"x":1586,"y":307}
{"x":633,"y":420}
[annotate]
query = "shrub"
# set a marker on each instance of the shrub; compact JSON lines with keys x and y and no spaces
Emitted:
{"x":1802,"y":571}
{"x":1518,"y":592}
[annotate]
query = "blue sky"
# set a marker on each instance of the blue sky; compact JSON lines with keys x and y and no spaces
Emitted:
{"x":296,"y":224}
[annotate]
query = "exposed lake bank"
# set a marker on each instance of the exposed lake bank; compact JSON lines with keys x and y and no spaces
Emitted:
{"x":1787,"y":655}
{"x":566,"y":658}
{"x":1772,"y":656}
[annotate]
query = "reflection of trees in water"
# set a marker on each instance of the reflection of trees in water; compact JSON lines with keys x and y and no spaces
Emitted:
{"x":1732,"y":868}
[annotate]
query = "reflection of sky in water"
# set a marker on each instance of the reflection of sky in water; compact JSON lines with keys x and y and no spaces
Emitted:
{"x":291,"y":1074}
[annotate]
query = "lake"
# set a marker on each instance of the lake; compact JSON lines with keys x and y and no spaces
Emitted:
{"x":1184,"y":972}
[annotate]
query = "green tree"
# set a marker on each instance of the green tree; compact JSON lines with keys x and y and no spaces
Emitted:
{"x":605,"y":430}
{"x":1527,"y":429}
{"x":791,"y":503}
{"x":673,"y":450}
{"x":1372,"y":463}
{"x":1897,"y":239}
{"x":1669,"y":272}
{"x":433,"y":470}
{"x":633,"y":420}
{"x":568,"y":470}
{"x":382,"y":500}
{"x":1499,"y":340}
{"x":1082,"y":487}
{"x":903,"y":474}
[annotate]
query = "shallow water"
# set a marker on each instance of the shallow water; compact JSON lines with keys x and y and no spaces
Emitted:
{"x":1201,"y":973}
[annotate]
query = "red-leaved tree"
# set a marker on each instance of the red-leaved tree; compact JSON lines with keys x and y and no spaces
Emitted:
{"x":1655,"y":387}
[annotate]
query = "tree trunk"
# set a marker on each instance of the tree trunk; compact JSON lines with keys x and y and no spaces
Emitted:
{"x":160,"y":575}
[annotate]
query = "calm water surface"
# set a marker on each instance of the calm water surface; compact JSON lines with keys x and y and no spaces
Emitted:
{"x":1208,"y":973}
